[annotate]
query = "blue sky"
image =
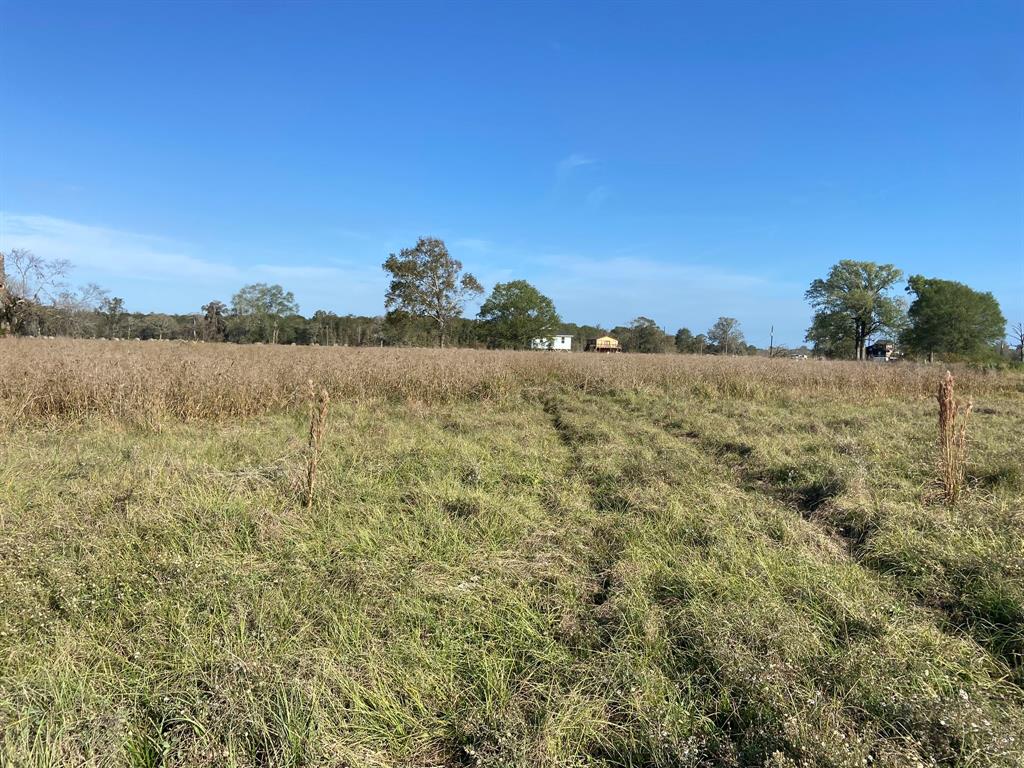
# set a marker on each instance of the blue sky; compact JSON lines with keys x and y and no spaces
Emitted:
{"x":680,"y":161}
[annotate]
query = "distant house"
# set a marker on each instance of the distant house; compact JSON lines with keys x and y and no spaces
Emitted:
{"x":882,"y":351}
{"x":602,"y":344}
{"x":560,"y":342}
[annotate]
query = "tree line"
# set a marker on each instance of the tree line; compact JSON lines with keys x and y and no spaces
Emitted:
{"x":856,"y":302}
{"x":428,"y":291}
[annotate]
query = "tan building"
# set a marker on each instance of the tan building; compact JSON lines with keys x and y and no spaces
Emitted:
{"x":602,"y":344}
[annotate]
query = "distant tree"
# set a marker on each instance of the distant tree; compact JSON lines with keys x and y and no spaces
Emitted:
{"x":322,"y":327}
{"x":6,"y":300}
{"x":28,"y":281}
{"x":215,"y":324}
{"x":158,"y":326}
{"x":426,"y":281}
{"x":74,"y":313}
{"x":832,"y":336}
{"x":112,"y":308}
{"x":259,"y":309}
{"x":516,"y":313}
{"x":1017,"y":334}
{"x":294,"y":329}
{"x":646,"y":336}
{"x":950,"y":318}
{"x":727,"y":337}
{"x":851,"y":305}
{"x":684,"y":341}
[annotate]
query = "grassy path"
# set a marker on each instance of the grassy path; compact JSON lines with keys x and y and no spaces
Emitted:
{"x":965,"y":564}
{"x":593,"y":579}
{"x":772,"y":617}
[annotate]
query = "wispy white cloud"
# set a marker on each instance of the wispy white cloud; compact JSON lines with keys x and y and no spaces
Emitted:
{"x":611,"y":290}
{"x":162,"y":274}
{"x":105,"y":249}
{"x":565,"y":166}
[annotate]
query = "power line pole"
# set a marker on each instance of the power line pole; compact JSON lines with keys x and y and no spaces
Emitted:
{"x":771,"y":342}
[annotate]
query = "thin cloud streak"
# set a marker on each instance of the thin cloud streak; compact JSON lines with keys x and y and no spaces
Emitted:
{"x":127,"y":261}
{"x":612,"y":290}
{"x":567,"y":165}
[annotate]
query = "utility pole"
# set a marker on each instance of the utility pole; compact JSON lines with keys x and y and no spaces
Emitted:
{"x":771,"y":342}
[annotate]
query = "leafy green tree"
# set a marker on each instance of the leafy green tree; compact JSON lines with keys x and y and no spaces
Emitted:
{"x":215,"y":324}
{"x":951,"y":319}
{"x":112,"y":309}
{"x":727,"y":337}
{"x":158,"y":326}
{"x":426,"y":281}
{"x":294,"y":329}
{"x":516,"y":313}
{"x":851,"y":305}
{"x":646,"y":336}
{"x":685,"y":341}
{"x":259,"y":310}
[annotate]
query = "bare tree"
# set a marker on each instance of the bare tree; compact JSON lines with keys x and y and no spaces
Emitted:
{"x":4,"y":296}
{"x":26,"y":282}
{"x":75,"y":312}
{"x":33,"y":278}
{"x":1017,"y":334}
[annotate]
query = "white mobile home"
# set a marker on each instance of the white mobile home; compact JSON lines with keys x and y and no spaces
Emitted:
{"x":560,"y":342}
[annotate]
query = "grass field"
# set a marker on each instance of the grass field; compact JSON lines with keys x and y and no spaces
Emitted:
{"x":511,"y":559}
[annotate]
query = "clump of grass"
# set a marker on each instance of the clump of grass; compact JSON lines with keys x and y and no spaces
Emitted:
{"x":953,"y":417}
{"x":318,"y":404}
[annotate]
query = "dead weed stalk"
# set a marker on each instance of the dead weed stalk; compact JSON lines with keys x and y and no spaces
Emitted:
{"x":318,"y":402}
{"x":953,"y":416}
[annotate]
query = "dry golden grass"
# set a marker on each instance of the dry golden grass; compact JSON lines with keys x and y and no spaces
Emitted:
{"x":145,"y":382}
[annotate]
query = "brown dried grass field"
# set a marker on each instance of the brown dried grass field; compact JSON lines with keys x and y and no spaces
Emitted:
{"x":144,"y":381}
{"x":509,"y":559}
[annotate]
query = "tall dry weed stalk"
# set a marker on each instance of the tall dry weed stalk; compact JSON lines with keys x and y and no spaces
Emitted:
{"x":318,"y":402}
{"x":953,"y":416}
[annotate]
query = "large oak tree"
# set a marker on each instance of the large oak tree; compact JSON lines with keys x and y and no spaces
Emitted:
{"x":516,"y":313}
{"x":426,"y":281}
{"x":852,"y":304}
{"x":951,"y":319}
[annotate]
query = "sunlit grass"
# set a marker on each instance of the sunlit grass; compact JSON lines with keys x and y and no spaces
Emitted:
{"x":543,"y":560}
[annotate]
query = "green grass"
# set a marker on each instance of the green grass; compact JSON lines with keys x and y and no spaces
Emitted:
{"x":628,"y":578}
